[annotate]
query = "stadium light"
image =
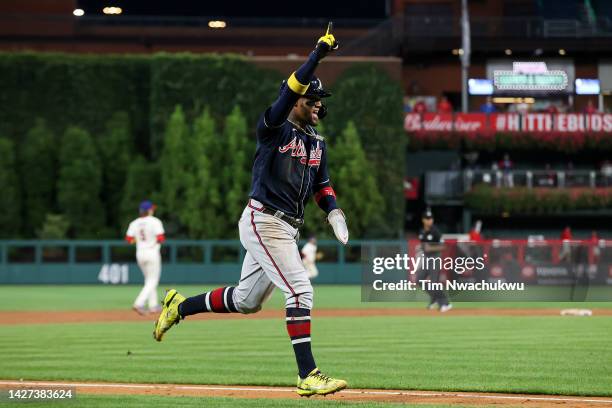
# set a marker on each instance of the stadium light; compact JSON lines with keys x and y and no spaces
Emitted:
{"x":217,"y":24}
{"x":561,"y":51}
{"x":78,"y":12}
{"x":112,"y":10}
{"x":508,"y":51}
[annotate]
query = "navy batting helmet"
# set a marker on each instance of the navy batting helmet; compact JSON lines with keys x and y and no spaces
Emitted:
{"x":315,"y":89}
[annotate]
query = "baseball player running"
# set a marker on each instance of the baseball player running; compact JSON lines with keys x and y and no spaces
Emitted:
{"x":147,"y":232}
{"x":289,"y":167}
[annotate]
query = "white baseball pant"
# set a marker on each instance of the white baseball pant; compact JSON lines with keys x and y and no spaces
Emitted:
{"x":272,"y":259}
{"x":150,"y":265}
{"x":312,"y":270}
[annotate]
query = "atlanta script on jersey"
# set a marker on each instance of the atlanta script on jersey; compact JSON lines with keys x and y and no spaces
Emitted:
{"x":290,"y":166}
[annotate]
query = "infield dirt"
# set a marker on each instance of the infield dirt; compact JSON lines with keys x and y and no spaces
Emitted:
{"x":465,"y":399}
{"x":42,"y":317}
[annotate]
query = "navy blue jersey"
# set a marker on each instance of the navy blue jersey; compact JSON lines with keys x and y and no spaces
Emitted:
{"x":290,"y":166}
{"x":291,"y":161}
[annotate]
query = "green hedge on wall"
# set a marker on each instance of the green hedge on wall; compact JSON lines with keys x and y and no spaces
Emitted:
{"x":72,"y":90}
{"x":367,"y":96}
{"x":219,"y":82}
{"x":486,"y":199}
{"x":85,"y":91}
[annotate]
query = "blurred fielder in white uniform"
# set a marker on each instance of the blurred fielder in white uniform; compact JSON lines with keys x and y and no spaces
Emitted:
{"x":147,"y":232}
{"x":309,"y":257}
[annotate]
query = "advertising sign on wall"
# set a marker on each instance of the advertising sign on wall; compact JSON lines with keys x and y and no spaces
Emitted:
{"x":509,"y":122}
{"x":531,"y":77}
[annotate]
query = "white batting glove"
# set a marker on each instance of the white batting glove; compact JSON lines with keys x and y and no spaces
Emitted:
{"x":338,"y":222}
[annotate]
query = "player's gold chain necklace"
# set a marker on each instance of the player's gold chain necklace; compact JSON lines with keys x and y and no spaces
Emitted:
{"x":302,"y":129}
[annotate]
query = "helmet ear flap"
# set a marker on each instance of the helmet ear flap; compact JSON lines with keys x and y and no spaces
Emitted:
{"x":322,"y":111}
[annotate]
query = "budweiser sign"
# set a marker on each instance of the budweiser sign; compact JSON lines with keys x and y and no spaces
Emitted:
{"x":469,"y":122}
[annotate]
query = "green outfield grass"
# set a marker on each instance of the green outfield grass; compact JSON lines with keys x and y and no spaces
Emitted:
{"x":553,"y":355}
{"x":107,"y":297}
{"x":530,"y":354}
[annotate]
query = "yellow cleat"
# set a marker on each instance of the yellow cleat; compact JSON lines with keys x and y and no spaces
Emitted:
{"x":169,"y":315}
{"x":317,"y":383}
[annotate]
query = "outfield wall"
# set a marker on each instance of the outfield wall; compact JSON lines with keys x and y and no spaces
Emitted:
{"x":184,"y":261}
{"x":574,"y":264}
